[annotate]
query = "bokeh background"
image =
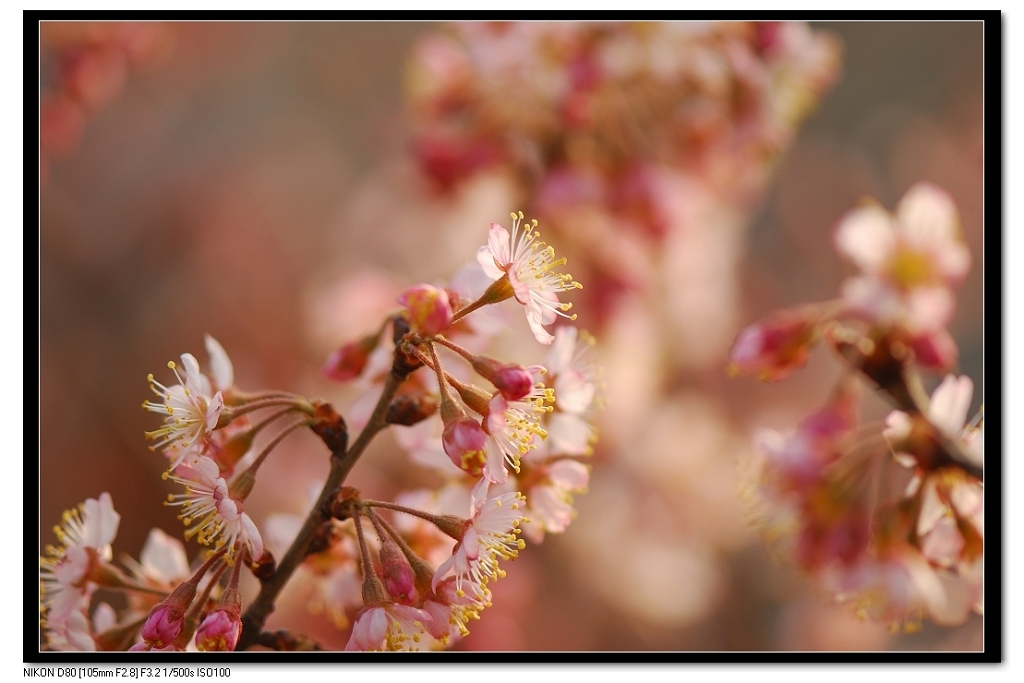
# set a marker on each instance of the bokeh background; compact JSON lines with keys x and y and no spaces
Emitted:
{"x":253,"y":181}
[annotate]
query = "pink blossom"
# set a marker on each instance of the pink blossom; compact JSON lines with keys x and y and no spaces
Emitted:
{"x":85,"y":535}
{"x":191,"y":407}
{"x":529,"y":266}
{"x":549,"y":501}
{"x":214,"y":517}
{"x":908,"y":260}
{"x":511,"y":428}
{"x":491,"y":535}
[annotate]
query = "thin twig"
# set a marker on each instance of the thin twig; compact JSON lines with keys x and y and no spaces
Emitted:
{"x":341,"y":464}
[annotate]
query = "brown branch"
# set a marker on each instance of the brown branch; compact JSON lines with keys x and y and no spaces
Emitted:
{"x":342,"y":462}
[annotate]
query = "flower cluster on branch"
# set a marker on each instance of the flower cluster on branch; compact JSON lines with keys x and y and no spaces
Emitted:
{"x":888,"y":518}
{"x":511,"y":440}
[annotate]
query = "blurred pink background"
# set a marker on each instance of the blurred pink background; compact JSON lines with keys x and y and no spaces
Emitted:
{"x":231,"y":180}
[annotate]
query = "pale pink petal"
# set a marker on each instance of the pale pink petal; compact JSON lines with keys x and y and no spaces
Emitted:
{"x":494,"y":467}
{"x":569,"y":434}
{"x":928,"y":308}
{"x":486,"y":260}
{"x":163,"y":557}
{"x":213,"y":411}
{"x":369,"y":631}
{"x":897,"y":426}
{"x":252,"y":536}
{"x":499,"y":242}
{"x":573,"y":393}
{"x":535,"y":317}
{"x":442,"y":571}
{"x":950,"y":403}
{"x":932,"y":508}
{"x":943,"y":544}
{"x":220,"y":364}
{"x":569,"y":474}
{"x":195,"y":381}
{"x":560,"y":355}
{"x":927,"y":214}
{"x":103,"y":617}
{"x":521,"y":289}
{"x":101,"y":521}
{"x":865,"y":236}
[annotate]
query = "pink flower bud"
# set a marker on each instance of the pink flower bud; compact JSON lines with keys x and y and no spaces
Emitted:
{"x":349,"y":361}
{"x":428,"y":308}
{"x":398,"y":575}
{"x":163,"y":625}
{"x":465,"y":441}
{"x":514,"y":382}
{"x":773,"y":348}
{"x":220,"y":630}
{"x":935,"y":350}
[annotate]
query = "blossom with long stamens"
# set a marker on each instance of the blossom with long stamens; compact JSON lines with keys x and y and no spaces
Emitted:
{"x":214,"y":516}
{"x":454,"y":607}
{"x":529,"y":267}
{"x":191,"y":406}
{"x":85,"y":535}
{"x":511,"y":428}
{"x":491,"y":534}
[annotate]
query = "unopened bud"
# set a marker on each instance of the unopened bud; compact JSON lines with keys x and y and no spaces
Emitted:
{"x":330,"y":427}
{"x":343,"y":503}
{"x":935,"y":351}
{"x":465,"y":443}
{"x":349,"y":361}
{"x":428,"y":309}
{"x":773,"y":348}
{"x":514,"y":382}
{"x":220,"y":630}
{"x":399,"y":578}
{"x":164,"y":624}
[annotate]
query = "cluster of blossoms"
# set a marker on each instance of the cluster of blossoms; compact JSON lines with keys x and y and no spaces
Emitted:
{"x":892,"y":522}
{"x":512,"y":453}
{"x":90,"y":64}
{"x":602,"y":125}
